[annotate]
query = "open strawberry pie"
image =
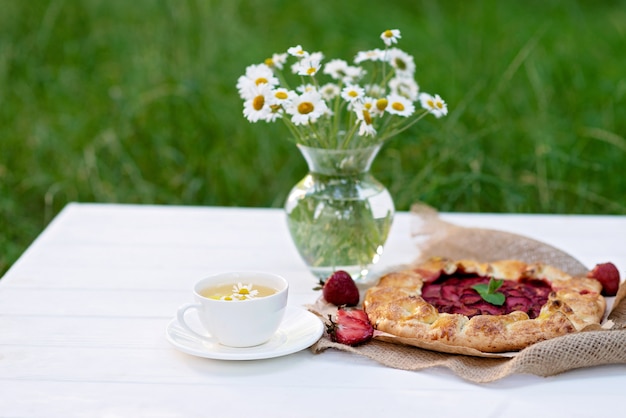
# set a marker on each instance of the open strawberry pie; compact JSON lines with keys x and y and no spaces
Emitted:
{"x":490,"y":307}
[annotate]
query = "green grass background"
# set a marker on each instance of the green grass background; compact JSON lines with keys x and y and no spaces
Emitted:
{"x":135,"y":102}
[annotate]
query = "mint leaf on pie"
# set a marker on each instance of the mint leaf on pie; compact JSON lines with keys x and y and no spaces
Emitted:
{"x":489,"y":291}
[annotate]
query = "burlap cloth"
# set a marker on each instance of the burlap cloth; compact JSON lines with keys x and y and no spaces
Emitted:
{"x":435,"y":237}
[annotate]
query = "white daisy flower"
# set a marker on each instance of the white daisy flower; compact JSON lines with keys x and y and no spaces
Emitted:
{"x":277,"y":61}
{"x":306,"y":66}
{"x":297,"y":51}
{"x":399,"y":105}
{"x":245,"y":87}
{"x":306,"y":108}
{"x":372,"y":55}
{"x":275,"y":112}
{"x":281,"y":96}
{"x":374,"y":90}
{"x":317,"y":56}
{"x":366,"y":129}
{"x":390,"y":36}
{"x":329,"y":91}
{"x":340,"y":70}
{"x":295,"y":67}
{"x":336,"y":69}
{"x":361,"y":111}
{"x":352,"y":93}
{"x":254,"y":76}
{"x":382,"y":104}
{"x":353,"y":74}
{"x":364,"y":119}
{"x":278,"y":99}
{"x":303,"y":88}
{"x":369,"y":103}
{"x":434,"y":104}
{"x":258,"y":105}
{"x":404,"y":86}
{"x":243,"y":291}
{"x":402,"y":62}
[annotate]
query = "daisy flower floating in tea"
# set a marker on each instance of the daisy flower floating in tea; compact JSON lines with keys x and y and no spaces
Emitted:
{"x":242,"y":292}
{"x":361,"y":104}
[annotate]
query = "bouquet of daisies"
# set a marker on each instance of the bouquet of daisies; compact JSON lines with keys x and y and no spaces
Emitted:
{"x":360,"y":105}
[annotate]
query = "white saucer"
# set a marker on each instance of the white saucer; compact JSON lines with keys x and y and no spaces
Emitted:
{"x":299,"y":330}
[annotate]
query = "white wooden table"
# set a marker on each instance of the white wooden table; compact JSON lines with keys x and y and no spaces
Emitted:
{"x":83,"y":315}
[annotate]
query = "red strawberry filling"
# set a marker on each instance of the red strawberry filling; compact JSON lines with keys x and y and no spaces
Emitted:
{"x":454,"y":294}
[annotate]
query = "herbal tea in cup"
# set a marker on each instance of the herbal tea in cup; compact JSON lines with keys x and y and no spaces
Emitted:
{"x":237,"y":291}
{"x":237,"y":309}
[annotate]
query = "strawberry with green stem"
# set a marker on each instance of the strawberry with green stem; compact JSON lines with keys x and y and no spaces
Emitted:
{"x":340,"y":290}
{"x":350,"y":326}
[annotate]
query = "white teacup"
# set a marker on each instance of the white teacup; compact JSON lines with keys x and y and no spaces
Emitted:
{"x":238,"y":323}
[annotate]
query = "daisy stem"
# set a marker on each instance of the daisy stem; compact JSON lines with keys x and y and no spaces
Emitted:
{"x":405,"y":127}
{"x":316,"y":135}
{"x":337,"y":116}
{"x":296,"y":135}
{"x":350,"y":134}
{"x":281,"y":78}
{"x":384,"y":69}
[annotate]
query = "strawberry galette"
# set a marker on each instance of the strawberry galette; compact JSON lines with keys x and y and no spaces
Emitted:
{"x":490,"y":307}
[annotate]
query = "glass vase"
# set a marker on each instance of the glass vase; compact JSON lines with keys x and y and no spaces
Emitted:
{"x":339,"y":215}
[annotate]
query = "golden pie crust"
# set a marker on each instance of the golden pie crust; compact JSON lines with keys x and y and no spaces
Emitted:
{"x":395,"y":307}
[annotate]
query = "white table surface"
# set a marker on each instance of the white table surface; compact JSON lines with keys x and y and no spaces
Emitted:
{"x":83,"y":314}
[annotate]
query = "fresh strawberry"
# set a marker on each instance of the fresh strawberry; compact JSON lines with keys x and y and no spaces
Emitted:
{"x":339,"y":289}
{"x":350,"y":327}
{"x":608,"y":275}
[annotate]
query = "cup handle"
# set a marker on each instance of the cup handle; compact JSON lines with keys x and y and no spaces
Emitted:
{"x":180,"y":316}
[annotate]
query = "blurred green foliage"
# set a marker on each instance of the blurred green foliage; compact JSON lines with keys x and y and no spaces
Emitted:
{"x":135,"y":102}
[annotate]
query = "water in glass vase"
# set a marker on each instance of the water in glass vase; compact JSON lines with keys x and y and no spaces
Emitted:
{"x":339,"y":222}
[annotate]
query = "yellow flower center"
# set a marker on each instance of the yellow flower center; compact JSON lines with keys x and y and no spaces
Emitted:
{"x":430,"y":103}
{"x":381,"y":104}
{"x":366,"y":117}
{"x":258,"y":102}
{"x":439,"y":105}
{"x":353,"y":93}
{"x":244,"y":291}
{"x":261,"y":80}
{"x":275,"y":108}
{"x":281,"y":95}
{"x":311,"y":71}
{"x":305,"y":108}
{"x":388,"y":33}
{"x":397,"y":106}
{"x":400,"y":64}
{"x":269,"y":62}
